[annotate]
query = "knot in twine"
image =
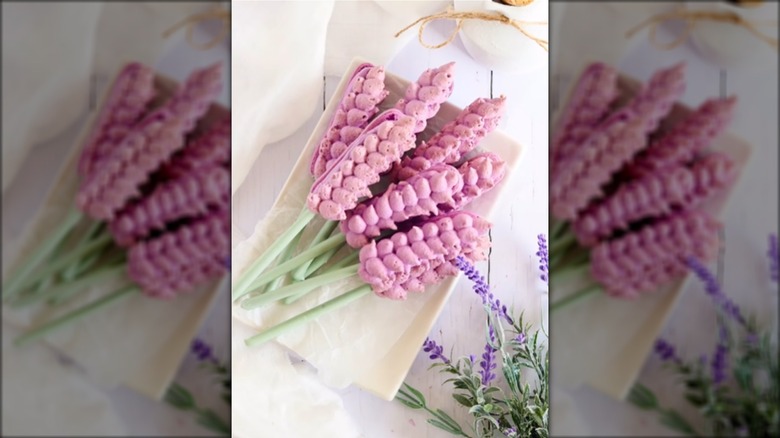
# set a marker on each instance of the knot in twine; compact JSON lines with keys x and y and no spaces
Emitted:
{"x":193,"y":20}
{"x":691,"y":18}
{"x":460,"y":17}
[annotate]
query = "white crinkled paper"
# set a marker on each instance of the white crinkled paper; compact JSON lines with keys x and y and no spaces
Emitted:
{"x":274,"y":396}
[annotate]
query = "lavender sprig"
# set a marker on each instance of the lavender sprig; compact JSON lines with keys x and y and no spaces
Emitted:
{"x":713,"y":289}
{"x":544,"y":260}
{"x":482,"y":289}
{"x":488,"y":362}
{"x":435,"y":351}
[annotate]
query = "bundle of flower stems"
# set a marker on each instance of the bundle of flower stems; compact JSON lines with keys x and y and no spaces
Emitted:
{"x":626,"y":197}
{"x":397,"y":238}
{"x":152,"y":209}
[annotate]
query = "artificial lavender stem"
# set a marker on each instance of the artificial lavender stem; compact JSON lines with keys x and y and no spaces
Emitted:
{"x":562,"y":243}
{"x":88,"y":280}
{"x":12,"y":286}
{"x":320,"y":260}
{"x":119,"y":258}
{"x":299,"y":288}
{"x":324,"y":232}
{"x":348,"y":260}
{"x":58,"y":264}
{"x":79,"y":266}
{"x":245,"y":281}
{"x":309,"y":315}
{"x":75,"y":315}
{"x":283,"y":258}
{"x":576,"y":296}
{"x":558,"y":226}
{"x":289,"y":265}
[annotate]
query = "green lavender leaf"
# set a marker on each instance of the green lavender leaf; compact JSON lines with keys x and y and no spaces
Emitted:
{"x":463,"y":400}
{"x":210,"y":420}
{"x":642,"y":397}
{"x":673,"y":420}
{"x":179,"y":397}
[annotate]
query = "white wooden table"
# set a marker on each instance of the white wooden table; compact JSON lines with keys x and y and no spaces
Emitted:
{"x":512,"y":268}
{"x":750,"y":216}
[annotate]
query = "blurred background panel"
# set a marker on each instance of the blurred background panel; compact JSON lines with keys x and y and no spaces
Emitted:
{"x":59,"y":61}
{"x":664,"y":204}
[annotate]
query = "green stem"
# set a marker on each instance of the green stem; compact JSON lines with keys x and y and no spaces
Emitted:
{"x":75,"y":315}
{"x":320,"y":260}
{"x":576,"y":296}
{"x":56,"y":265}
{"x":12,"y":286}
{"x":244,"y":283}
{"x":66,"y":290}
{"x":79,"y":266}
{"x":291,"y":264}
{"x":326,"y":230}
{"x":299,"y":288}
{"x":283,"y":258}
{"x":561,"y":275}
{"x":309,"y":315}
{"x":346,"y":261}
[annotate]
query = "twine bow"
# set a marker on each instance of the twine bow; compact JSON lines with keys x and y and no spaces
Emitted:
{"x":192,"y":21}
{"x":460,"y":17}
{"x":693,"y":17}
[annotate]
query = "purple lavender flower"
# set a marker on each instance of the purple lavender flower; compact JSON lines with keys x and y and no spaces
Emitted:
{"x":203,"y":351}
{"x":666,"y":351}
{"x":482,"y":289}
{"x":712,"y":288}
{"x":774,"y":258}
{"x":510,"y":432}
{"x":520,"y":339}
{"x":720,"y":358}
{"x":435,"y":351}
{"x":488,"y":362}
{"x":544,"y":262}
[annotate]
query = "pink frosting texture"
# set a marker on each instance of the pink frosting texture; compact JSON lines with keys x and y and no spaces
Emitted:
{"x":656,"y":195}
{"x":178,"y":261}
{"x":365,"y":91}
{"x":582,"y":174}
{"x":456,"y":138}
{"x":130,"y":94}
{"x":654,"y":101}
{"x":193,"y":100}
{"x":590,"y":101}
{"x":373,"y":153}
{"x":421,"y":195}
{"x":687,"y":138}
{"x":207,"y":150}
{"x":408,"y":260}
{"x":120,"y":177}
{"x":188,"y":196}
{"x":480,"y":174}
{"x":646,"y":259}
{"x":423,"y":98}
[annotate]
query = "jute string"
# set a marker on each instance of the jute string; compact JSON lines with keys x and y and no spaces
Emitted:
{"x":691,"y":18}
{"x":460,"y":17}
{"x":192,"y":21}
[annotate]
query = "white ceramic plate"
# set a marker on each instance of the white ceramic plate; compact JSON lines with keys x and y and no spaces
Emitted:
{"x":603,"y":342}
{"x":386,"y":371}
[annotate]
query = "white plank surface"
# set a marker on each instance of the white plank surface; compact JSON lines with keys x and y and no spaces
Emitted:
{"x":512,"y":268}
{"x":749,"y":217}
